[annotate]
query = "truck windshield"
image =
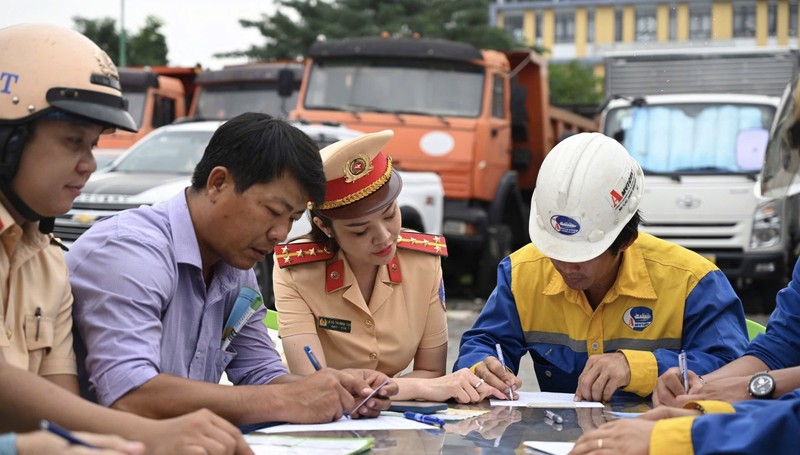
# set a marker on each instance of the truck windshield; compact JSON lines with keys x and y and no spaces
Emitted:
{"x":135,"y":104}
{"x":432,"y":88}
{"x":692,"y":138}
{"x":222,"y":102}
{"x":175,"y":152}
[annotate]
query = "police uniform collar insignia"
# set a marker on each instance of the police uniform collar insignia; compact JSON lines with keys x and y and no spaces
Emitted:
{"x":334,"y":276}
{"x":357,"y":167}
{"x":425,"y":243}
{"x":393,"y":267}
{"x":291,"y":254}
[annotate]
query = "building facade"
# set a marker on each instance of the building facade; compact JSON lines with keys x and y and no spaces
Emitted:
{"x":586,"y":30}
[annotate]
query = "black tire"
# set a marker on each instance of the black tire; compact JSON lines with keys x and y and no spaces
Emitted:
{"x":263,"y":271}
{"x":498,"y":246}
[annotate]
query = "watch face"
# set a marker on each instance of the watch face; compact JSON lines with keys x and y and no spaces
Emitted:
{"x":761,"y":385}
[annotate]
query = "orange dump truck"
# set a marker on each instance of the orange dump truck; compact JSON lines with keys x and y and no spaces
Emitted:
{"x":156,"y":97}
{"x":481,"y":119}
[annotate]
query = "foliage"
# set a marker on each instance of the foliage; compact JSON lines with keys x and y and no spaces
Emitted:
{"x":297,"y":24}
{"x":574,"y":83}
{"x":148,"y":46}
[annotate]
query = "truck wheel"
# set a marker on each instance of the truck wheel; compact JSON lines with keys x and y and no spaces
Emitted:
{"x":498,"y":246}
{"x":263,"y":271}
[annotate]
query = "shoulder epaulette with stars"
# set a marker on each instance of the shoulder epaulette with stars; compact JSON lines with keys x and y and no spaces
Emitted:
{"x":301,"y":253}
{"x":426,"y":243}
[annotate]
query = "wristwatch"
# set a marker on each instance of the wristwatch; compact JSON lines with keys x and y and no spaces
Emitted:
{"x":761,"y":386}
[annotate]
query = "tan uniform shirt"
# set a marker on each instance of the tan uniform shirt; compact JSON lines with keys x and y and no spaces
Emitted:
{"x":34,"y":281}
{"x":406,"y":311}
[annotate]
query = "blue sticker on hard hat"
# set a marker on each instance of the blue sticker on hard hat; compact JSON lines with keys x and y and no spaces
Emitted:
{"x":638,"y":318}
{"x":564,"y":225}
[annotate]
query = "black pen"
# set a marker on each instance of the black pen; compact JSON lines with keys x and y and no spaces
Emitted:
{"x":38,"y":315}
{"x":64,"y":433}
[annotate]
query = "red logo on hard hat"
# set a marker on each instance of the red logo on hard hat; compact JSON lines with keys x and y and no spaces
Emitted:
{"x":616,"y":198}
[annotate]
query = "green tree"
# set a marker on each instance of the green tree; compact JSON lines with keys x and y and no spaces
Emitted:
{"x":574,"y":83}
{"x":148,"y":46}
{"x":299,"y":23}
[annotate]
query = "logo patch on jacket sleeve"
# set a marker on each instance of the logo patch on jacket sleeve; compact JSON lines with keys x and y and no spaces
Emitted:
{"x":638,"y":318}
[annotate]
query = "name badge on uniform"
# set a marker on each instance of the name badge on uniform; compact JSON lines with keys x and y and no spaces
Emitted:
{"x":340,"y":325}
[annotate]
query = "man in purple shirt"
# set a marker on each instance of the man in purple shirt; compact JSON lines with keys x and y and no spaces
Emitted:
{"x":154,"y":286}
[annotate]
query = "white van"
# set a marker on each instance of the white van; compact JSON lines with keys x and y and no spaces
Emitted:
{"x":701,"y":154}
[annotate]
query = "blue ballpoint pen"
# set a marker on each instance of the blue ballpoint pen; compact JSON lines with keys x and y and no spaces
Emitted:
{"x":317,"y":366}
{"x":503,"y":362}
{"x":312,"y":358}
{"x":64,"y":433}
{"x":423,"y":418}
{"x":684,"y":370}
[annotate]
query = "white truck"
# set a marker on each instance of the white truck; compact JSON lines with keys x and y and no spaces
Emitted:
{"x":161,"y":164}
{"x":701,"y":154}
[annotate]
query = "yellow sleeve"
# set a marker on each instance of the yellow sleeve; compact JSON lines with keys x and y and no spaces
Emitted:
{"x":711,"y":406}
{"x":644,"y":372}
{"x":671,"y":436}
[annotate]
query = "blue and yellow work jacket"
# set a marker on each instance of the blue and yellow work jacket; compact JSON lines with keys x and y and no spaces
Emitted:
{"x":751,"y":427}
{"x":665,"y":298}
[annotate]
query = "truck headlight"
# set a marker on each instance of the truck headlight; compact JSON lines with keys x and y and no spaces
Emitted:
{"x":766,"y":225}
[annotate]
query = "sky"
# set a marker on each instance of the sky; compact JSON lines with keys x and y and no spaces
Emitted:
{"x":194,"y":29}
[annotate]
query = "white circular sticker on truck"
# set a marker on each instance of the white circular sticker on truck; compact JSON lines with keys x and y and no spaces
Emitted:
{"x":437,"y":143}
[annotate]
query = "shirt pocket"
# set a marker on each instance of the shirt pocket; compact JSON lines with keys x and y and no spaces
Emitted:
{"x":221,"y":361}
{"x":39,"y":332}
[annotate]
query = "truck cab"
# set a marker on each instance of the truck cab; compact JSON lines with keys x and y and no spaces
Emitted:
{"x":154,"y":100}
{"x":480,"y":119}
{"x":701,"y":155}
{"x":270,"y":88}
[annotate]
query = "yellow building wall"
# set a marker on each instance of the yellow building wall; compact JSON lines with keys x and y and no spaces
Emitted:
{"x":628,"y":23}
{"x":762,"y":26}
{"x":721,"y":21}
{"x":682,"y":19}
{"x":604,"y":25}
{"x":548,"y":29}
{"x":529,"y":26}
{"x":783,"y":23}
{"x":501,"y":19}
{"x":581,"y":21}
{"x":662,"y":21}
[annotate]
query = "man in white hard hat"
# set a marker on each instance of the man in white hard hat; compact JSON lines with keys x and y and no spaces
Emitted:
{"x":598,"y":305}
{"x":58,"y":92}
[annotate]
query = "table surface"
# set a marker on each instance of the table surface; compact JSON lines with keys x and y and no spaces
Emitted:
{"x":503,"y":429}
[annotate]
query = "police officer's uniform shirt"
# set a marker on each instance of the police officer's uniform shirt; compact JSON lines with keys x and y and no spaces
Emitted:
{"x":36,"y":299}
{"x":406,"y":310}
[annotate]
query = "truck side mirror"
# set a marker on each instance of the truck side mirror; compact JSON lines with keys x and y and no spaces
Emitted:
{"x":285,"y":82}
{"x":751,"y":144}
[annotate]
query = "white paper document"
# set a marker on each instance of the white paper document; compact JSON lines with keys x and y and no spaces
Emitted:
{"x":550,"y":448}
{"x":287,"y":445}
{"x":547,"y":400}
{"x":380,"y":423}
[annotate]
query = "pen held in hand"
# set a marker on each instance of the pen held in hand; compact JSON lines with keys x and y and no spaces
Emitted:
{"x":682,"y":365}
{"x":46,"y":425}
{"x":503,"y":363}
{"x":372,"y":394}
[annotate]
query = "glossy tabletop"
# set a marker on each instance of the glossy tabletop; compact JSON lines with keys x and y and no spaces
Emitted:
{"x":501,"y":430}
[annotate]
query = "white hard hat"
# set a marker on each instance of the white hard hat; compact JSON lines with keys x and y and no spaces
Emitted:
{"x":587,"y":190}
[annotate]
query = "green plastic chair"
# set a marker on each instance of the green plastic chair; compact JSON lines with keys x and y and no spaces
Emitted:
{"x":271,"y":319}
{"x":754,"y":328}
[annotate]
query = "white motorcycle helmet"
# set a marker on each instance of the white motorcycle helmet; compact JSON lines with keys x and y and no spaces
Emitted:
{"x":587,"y":190}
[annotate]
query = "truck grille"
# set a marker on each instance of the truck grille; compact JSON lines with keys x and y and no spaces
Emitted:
{"x":82,"y":216}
